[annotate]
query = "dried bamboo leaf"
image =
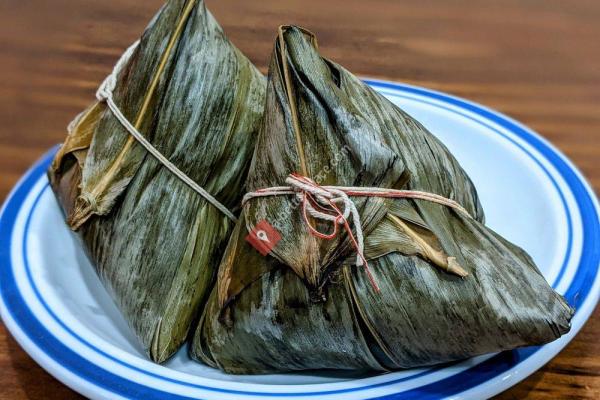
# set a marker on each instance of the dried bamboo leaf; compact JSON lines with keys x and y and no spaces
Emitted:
{"x":284,"y":320}
{"x":154,"y":241}
{"x":397,"y":235}
{"x":281,"y":319}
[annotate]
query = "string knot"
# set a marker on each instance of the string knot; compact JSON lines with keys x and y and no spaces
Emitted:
{"x":109,"y":84}
{"x":105,"y":90}
{"x":333,"y":205}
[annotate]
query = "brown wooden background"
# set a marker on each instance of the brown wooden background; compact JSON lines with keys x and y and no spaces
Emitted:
{"x":537,"y":61}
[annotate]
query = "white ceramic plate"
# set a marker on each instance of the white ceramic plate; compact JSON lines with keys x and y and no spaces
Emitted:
{"x":55,"y":306}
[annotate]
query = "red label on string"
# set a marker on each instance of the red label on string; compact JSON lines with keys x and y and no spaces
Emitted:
{"x":263,"y":237}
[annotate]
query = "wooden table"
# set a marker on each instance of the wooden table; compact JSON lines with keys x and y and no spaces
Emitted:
{"x":537,"y":61}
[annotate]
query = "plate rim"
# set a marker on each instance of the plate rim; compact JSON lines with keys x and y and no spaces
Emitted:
{"x":539,"y":143}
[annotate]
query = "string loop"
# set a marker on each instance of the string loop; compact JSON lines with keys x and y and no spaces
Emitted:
{"x":105,"y":94}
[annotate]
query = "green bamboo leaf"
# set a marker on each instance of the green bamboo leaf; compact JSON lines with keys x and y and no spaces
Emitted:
{"x":154,"y":241}
{"x":304,"y":306}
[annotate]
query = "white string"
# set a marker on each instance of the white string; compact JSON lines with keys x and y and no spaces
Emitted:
{"x":340,"y":195}
{"x":324,"y":196}
{"x":105,"y":93}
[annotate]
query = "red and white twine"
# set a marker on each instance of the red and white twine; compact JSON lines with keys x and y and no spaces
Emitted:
{"x":333,"y":204}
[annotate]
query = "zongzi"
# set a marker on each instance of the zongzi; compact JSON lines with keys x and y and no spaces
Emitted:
{"x":340,"y":171}
{"x":154,"y":241}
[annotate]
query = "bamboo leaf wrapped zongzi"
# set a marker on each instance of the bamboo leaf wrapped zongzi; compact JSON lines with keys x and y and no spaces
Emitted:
{"x":154,"y":241}
{"x":363,"y":177}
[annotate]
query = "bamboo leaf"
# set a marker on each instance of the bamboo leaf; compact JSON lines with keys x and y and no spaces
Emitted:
{"x":155,"y":242}
{"x":304,"y":306}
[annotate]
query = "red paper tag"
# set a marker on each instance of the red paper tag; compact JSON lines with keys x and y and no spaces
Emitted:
{"x":263,"y":237}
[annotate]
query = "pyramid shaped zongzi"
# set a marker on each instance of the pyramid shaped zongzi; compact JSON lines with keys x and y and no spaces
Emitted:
{"x":154,"y":241}
{"x":445,"y":287}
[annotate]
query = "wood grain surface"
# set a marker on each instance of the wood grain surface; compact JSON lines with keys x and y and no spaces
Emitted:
{"x":537,"y":61}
